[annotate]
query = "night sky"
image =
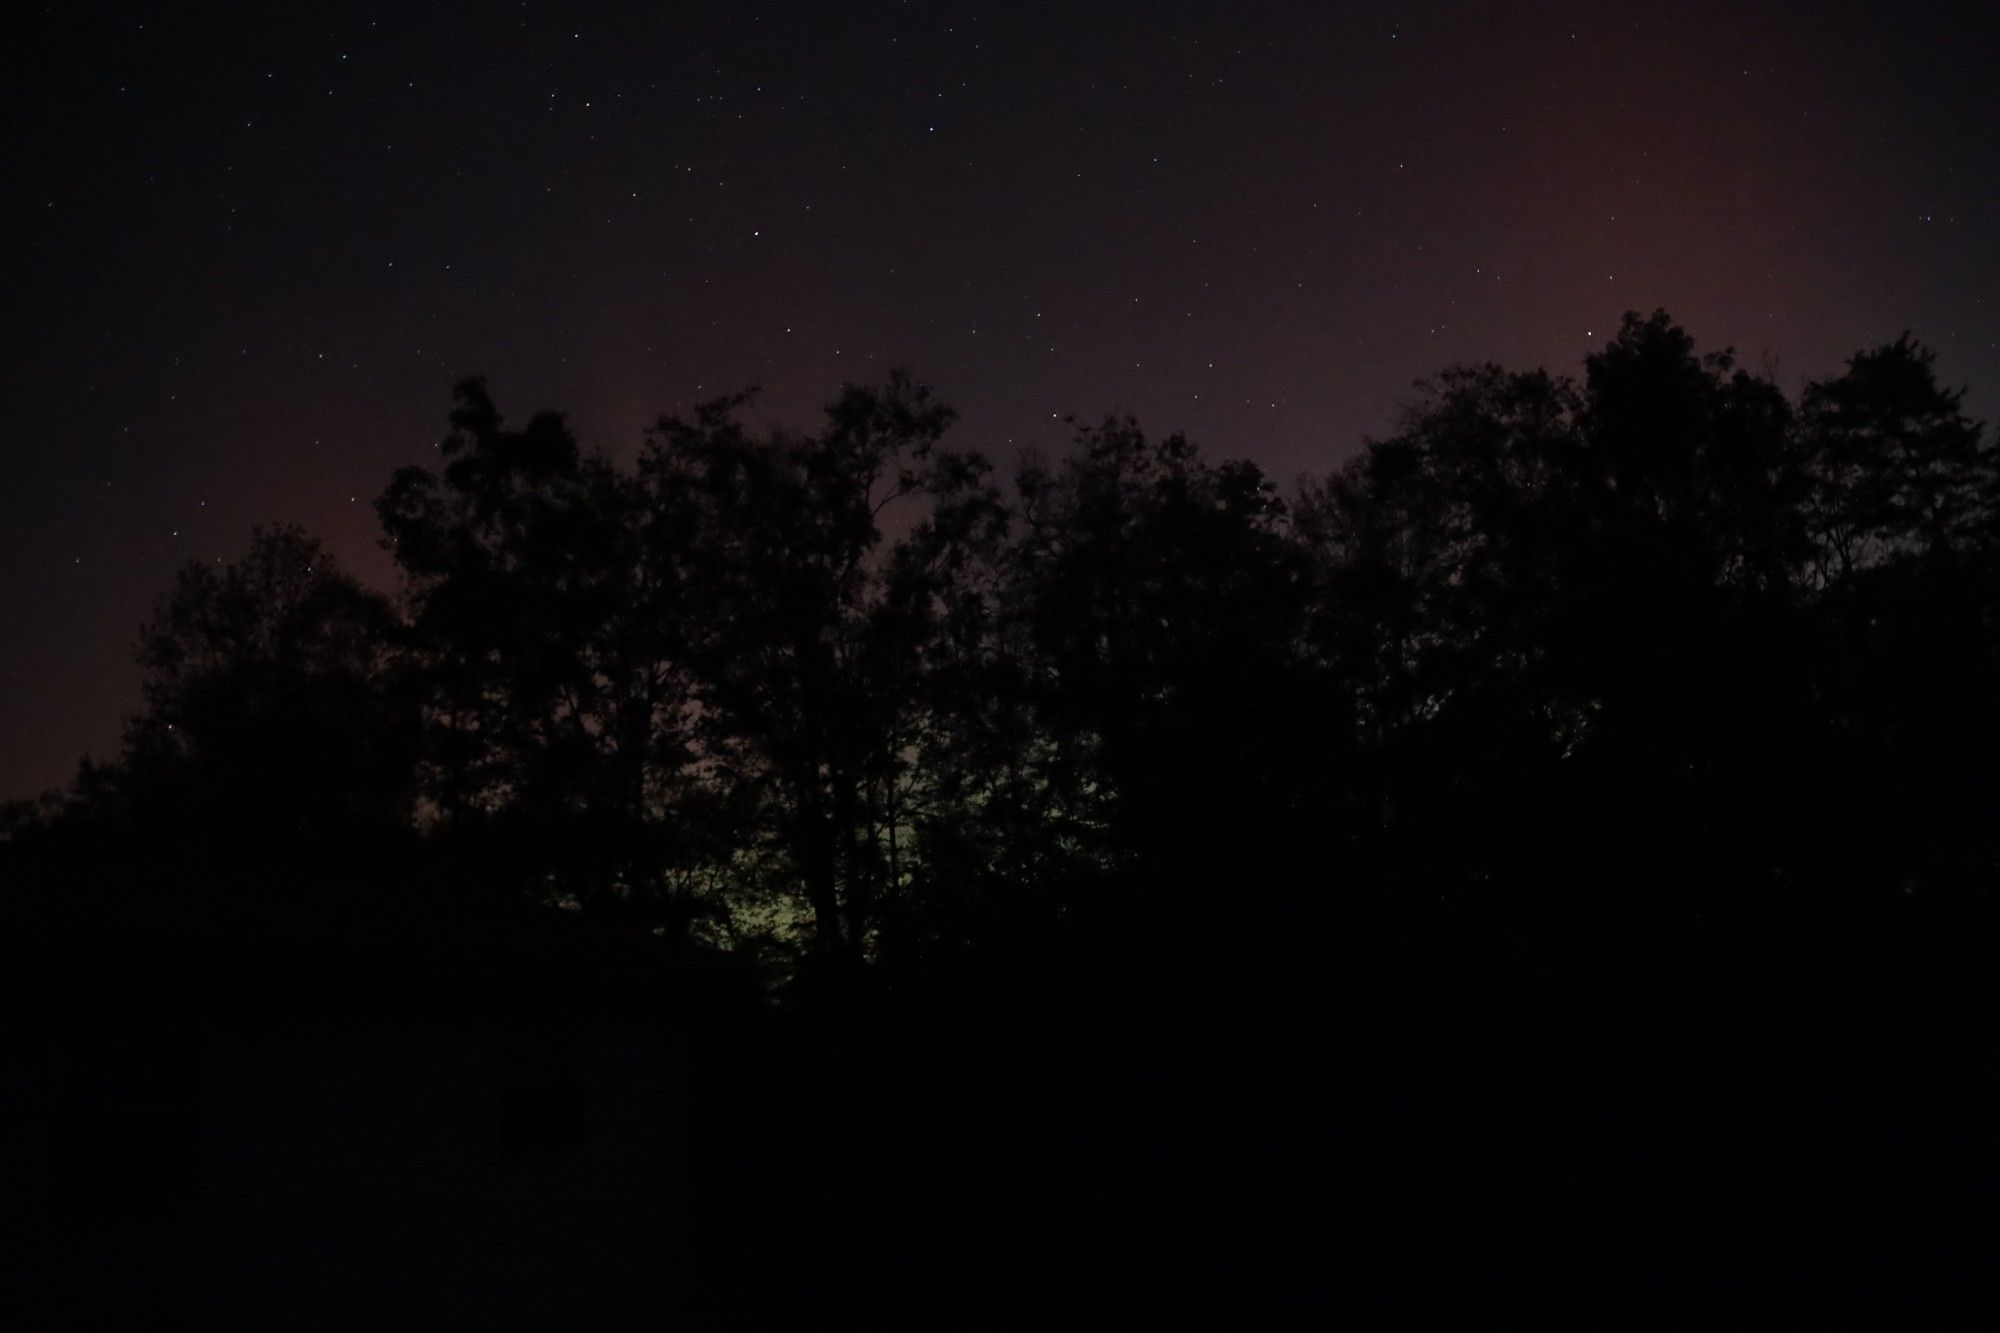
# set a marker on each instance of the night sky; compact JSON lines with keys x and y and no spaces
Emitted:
{"x":248,"y":254}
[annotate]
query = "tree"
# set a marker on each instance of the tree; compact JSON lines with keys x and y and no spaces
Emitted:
{"x":1162,"y":595}
{"x":270,"y":716}
{"x":801,"y":666}
{"x":545,"y":620}
{"x":1567,"y":610}
{"x":1897,"y":469}
{"x":1903,"y":507}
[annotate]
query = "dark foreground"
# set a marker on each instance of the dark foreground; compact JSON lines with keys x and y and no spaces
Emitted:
{"x":531,"y":1125}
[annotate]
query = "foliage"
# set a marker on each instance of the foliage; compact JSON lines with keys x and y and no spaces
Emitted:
{"x":1655,"y":643}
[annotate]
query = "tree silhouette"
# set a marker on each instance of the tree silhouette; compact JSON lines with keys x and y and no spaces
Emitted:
{"x":1589,"y":782}
{"x":1547,"y":622}
{"x":544,"y":625}
{"x":790,"y":638}
{"x":1896,"y":468}
{"x":269,"y":715}
{"x":1901,"y":513}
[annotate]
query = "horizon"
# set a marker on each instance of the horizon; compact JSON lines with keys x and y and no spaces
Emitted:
{"x":359,"y":547}
{"x":256,"y":254}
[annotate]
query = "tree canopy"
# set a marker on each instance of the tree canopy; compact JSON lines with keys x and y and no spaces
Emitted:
{"x":1658,"y":641}
{"x":1577,"y":805}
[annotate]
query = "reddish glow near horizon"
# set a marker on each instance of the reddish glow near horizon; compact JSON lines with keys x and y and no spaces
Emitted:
{"x":255,"y":257}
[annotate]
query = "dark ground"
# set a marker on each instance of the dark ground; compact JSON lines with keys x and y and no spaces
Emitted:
{"x":528,"y":1128}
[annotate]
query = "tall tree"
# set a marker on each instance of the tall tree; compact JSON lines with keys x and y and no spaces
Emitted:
{"x":1162,"y":592}
{"x":801,"y":668}
{"x":1897,"y":468}
{"x":1903,"y":509}
{"x":545,"y":626}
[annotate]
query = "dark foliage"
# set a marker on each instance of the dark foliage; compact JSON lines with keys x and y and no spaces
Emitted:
{"x":1545,"y":866}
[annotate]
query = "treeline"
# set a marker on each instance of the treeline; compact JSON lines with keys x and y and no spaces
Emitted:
{"x":1546,"y":864}
{"x":1657,"y":645}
